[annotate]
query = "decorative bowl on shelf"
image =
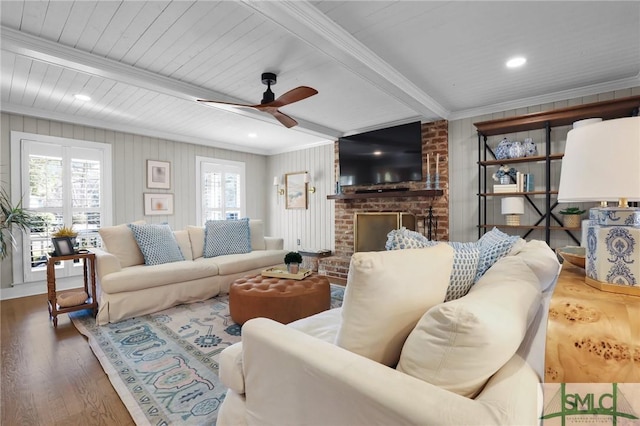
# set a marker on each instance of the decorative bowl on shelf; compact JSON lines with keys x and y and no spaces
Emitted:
{"x":573,"y":255}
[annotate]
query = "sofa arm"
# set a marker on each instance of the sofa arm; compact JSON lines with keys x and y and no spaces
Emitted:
{"x":106,"y":263}
{"x":291,"y":378}
{"x":273,"y":243}
{"x":230,"y":372}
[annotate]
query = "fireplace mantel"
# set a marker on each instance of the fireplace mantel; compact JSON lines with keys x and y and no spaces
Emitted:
{"x":390,"y":194}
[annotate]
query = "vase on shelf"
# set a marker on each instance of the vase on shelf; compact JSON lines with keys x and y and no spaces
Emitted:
{"x":516,"y":150}
{"x":502,"y":150}
{"x":505,"y":180}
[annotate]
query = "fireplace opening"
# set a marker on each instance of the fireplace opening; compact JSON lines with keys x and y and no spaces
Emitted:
{"x":371,"y":229}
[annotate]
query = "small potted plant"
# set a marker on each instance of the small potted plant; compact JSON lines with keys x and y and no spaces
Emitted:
{"x":572,"y":216}
{"x":293,"y":259}
{"x":65,"y":232}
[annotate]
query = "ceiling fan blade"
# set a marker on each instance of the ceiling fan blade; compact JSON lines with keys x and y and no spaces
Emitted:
{"x":293,"y":95}
{"x":286,"y":121}
{"x":206,"y":101}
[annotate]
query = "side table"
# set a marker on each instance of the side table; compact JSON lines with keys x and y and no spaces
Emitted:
{"x":592,"y":336}
{"x":89,"y":269}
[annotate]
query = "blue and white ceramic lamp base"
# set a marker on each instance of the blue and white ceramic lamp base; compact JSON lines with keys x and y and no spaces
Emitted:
{"x":613,"y":250}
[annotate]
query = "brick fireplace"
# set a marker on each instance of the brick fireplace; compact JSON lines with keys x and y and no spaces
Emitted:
{"x":434,"y":141}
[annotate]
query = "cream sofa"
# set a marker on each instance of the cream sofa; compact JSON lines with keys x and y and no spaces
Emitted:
{"x":128,"y":288}
{"x":476,"y":360}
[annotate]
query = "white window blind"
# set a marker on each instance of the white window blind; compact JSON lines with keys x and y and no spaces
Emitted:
{"x":64,"y":182}
{"x":220,"y":189}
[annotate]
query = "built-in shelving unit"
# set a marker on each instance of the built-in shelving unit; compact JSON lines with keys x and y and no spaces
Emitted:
{"x":387,"y":194}
{"x":487,"y":162}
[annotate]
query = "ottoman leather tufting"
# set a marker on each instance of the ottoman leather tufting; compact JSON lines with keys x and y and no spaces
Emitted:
{"x":282,"y":300}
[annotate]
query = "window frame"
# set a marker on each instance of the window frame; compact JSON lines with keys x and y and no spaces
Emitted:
{"x":21,"y":264}
{"x":225,"y":164}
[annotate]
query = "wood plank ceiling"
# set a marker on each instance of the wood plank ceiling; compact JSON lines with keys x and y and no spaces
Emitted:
{"x":374,"y":63}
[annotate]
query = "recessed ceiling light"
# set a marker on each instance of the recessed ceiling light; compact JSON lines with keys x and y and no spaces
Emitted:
{"x":377,"y":152}
{"x":516,"y":62}
{"x":82,"y":97}
{"x":252,"y":135}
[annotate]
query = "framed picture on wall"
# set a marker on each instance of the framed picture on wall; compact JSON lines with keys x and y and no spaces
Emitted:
{"x":158,"y":174}
{"x":156,"y":204}
{"x":295,"y":191}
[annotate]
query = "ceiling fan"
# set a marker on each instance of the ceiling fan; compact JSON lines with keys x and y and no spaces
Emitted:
{"x":270,"y":105}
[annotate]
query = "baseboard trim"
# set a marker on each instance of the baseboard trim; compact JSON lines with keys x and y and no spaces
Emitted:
{"x":40,"y":287}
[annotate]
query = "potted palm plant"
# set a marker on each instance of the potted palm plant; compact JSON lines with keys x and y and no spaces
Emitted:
{"x":11,"y":216}
{"x":293,"y":259}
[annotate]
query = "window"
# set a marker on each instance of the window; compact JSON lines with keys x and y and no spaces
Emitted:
{"x":220,"y":189}
{"x":63,"y":182}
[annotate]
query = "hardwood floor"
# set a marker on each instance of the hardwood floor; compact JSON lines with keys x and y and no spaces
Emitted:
{"x":50,"y":376}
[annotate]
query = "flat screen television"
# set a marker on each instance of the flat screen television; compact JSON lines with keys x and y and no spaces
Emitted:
{"x":388,"y":155}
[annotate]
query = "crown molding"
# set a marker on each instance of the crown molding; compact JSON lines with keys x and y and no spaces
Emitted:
{"x":563,"y":95}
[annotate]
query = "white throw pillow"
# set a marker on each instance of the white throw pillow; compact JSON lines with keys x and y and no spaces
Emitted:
{"x":120,"y":242}
{"x":196,"y":236}
{"x":387,"y":293}
{"x":459,"y":345}
{"x":256,"y":231}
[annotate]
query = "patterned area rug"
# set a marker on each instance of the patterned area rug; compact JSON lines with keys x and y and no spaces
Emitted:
{"x":164,"y":366}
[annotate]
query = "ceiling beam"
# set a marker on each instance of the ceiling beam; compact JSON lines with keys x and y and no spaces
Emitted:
{"x":49,"y":52}
{"x":310,"y":25}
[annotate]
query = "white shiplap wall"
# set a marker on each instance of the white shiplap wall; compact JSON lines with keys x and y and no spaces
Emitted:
{"x":463,"y":169}
{"x":130,"y":154}
{"x":315,"y":226}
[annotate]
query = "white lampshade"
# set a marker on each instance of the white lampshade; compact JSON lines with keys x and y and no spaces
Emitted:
{"x":306,"y":178}
{"x":601,"y":162}
{"x":513,"y":205}
{"x":275,"y":181}
{"x":586,"y":122}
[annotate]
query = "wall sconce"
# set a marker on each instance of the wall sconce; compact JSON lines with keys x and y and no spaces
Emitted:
{"x":276,"y":184}
{"x":312,"y":189}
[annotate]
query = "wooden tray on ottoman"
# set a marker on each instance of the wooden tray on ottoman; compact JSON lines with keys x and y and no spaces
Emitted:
{"x":280,"y":272}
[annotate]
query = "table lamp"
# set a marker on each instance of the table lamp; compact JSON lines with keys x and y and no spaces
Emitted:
{"x":602,"y":163}
{"x":513,"y":207}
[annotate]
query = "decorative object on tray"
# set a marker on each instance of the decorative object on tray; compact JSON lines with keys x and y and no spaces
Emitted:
{"x":572,"y":254}
{"x":530,"y":148}
{"x":293,"y":259}
{"x":279,"y":272}
{"x":504,"y":174}
{"x":502,"y":150}
{"x":572,"y":216}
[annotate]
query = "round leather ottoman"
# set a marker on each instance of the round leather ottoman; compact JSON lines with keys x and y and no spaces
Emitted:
{"x":280,"y":299}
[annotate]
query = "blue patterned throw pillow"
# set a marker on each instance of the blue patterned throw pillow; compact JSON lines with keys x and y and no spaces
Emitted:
{"x":226,"y":237}
{"x":494,"y":245}
{"x":465,"y":266}
{"x":400,"y":239}
{"x":157,"y":243}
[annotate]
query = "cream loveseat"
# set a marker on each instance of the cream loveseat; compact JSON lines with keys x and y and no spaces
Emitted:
{"x":395,"y":354}
{"x":127,"y":287}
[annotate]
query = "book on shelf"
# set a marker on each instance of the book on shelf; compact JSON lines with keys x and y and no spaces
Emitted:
{"x":510,"y":187}
{"x":524,"y":182}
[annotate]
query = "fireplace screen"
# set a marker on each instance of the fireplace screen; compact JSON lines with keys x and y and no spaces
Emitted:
{"x":371,"y":229}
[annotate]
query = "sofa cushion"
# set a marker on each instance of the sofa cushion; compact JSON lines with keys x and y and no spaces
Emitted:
{"x":196,"y":236}
{"x":465,"y":266}
{"x":142,"y":276}
{"x":226,"y":237}
{"x":237,"y":263}
{"x":120,"y":242}
{"x":400,"y":239}
{"x":256,"y":231}
{"x":386,"y":294}
{"x":494,"y":245}
{"x":182,"y":237}
{"x":459,"y":345}
{"x":157,"y":243}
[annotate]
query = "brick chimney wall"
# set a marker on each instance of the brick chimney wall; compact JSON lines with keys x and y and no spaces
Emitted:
{"x":434,"y":141}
